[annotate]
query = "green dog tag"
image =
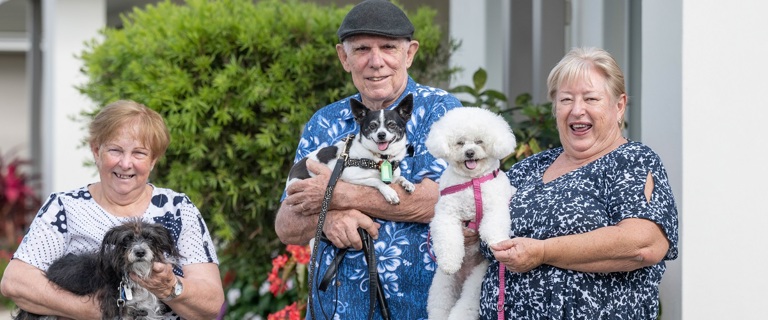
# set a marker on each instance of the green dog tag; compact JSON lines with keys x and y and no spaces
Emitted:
{"x":386,"y":171}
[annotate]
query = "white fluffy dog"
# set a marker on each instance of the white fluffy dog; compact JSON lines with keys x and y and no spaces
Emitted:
{"x":473,"y":141}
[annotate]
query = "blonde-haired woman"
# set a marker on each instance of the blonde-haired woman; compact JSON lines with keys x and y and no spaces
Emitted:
{"x":592,"y":221}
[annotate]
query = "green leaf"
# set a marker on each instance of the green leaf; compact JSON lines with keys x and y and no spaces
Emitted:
{"x":479,"y":78}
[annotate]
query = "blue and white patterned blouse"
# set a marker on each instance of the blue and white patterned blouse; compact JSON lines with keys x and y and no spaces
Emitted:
{"x":404,"y":265}
{"x":72,"y":222}
{"x":599,"y":194}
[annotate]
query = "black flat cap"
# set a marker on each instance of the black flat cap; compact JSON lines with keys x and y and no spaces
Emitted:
{"x":376,"y":17}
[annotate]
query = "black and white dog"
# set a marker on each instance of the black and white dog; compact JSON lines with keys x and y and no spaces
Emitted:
{"x":103,"y":275}
{"x":375,"y":153}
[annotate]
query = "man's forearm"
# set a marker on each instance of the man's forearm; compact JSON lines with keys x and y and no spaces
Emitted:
{"x":418,"y":206}
{"x":293,"y":228}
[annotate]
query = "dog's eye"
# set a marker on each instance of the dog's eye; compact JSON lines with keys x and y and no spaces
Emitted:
{"x":479,"y":142}
{"x":461,"y":143}
{"x":391,"y":125}
{"x":373,"y":125}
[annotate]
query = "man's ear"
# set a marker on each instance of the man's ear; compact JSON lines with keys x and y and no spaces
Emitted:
{"x":343,"y":57}
{"x":413,"y":47}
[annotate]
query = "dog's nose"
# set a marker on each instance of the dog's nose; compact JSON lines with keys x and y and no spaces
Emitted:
{"x":140,"y":253}
{"x":381,"y":135}
{"x":470,"y":154}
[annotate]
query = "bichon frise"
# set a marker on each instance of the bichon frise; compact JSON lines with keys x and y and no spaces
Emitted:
{"x":472,"y":190}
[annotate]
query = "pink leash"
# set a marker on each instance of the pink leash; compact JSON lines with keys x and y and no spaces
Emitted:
{"x":475,"y":184}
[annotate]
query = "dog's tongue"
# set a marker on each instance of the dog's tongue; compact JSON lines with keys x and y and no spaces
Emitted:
{"x":383,"y":145}
{"x":470,"y":164}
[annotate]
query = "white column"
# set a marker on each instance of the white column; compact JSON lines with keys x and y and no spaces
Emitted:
{"x":67,"y":24}
{"x":587,"y":26}
{"x":661,"y":124}
{"x":467,"y":24}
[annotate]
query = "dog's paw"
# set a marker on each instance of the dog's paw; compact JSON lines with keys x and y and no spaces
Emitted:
{"x":390,"y":195}
{"x":449,"y":267}
{"x":408,"y":186}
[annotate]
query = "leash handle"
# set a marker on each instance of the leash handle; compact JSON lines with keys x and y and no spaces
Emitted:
{"x":375,"y":288}
{"x":337,"y":169}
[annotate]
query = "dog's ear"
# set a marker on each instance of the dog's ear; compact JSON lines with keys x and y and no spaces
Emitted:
{"x":359,"y":110}
{"x":405,"y":107}
{"x":503,"y":139}
{"x":163,"y":238}
{"x":109,"y":260}
{"x":437,"y":143}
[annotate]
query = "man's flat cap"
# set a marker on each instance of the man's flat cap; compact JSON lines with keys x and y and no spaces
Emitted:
{"x":376,"y":17}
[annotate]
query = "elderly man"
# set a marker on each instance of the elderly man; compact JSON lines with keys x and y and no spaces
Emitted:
{"x":377,"y":48}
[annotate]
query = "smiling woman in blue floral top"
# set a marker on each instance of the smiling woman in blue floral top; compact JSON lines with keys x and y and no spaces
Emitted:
{"x":376,"y":48}
{"x":593,"y":221}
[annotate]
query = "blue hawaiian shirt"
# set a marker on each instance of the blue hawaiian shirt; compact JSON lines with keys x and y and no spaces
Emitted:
{"x":404,"y":264}
{"x":598,"y":194}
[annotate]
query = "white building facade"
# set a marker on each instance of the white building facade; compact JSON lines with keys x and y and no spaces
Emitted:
{"x":694,"y":72}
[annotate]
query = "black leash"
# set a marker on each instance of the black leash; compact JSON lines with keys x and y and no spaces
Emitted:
{"x":376,"y":290}
{"x":321,"y":218}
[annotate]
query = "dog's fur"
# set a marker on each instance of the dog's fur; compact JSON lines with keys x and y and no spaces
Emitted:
{"x":382,"y":136}
{"x":130,"y":247}
{"x":473,"y":141}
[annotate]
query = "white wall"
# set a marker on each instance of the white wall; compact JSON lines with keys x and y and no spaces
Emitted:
{"x":64,"y":33}
{"x":724,"y":52}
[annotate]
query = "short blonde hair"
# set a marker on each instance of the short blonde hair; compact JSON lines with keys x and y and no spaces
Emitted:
{"x":152,"y":131}
{"x":576,"y":65}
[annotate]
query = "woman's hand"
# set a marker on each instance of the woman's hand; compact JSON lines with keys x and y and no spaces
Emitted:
{"x":160,"y":281}
{"x":519,"y":254}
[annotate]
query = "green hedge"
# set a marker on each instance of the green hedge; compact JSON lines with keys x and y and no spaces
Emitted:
{"x":235,"y":82}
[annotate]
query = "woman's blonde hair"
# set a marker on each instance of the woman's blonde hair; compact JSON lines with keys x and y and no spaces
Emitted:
{"x":577,"y":64}
{"x":151,"y":128}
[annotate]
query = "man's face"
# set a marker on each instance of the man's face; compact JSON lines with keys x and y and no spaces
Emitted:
{"x":379,"y":67}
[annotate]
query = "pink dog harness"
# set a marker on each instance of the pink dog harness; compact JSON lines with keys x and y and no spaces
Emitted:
{"x":475,"y":184}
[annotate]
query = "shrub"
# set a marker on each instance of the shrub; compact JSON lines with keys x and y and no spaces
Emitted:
{"x":235,"y":82}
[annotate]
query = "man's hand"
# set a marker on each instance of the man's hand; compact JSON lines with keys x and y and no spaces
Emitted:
{"x":341,"y":228}
{"x":306,"y":196}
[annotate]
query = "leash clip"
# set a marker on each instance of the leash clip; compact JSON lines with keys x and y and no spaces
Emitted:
{"x":120,"y":295}
{"x":345,"y":152}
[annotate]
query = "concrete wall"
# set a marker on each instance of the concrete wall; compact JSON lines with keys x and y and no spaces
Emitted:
{"x":725,"y":245}
{"x":14,"y":106}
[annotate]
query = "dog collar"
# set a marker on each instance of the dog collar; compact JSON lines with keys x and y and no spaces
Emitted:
{"x":368,"y":163}
{"x":386,"y":167}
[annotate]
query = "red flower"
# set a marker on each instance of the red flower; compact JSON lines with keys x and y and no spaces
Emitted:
{"x":293,"y":269}
{"x":300,"y":253}
{"x":276,"y":283}
{"x":290,"y":312}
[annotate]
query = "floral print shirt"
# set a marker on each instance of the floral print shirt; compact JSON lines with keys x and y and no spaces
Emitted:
{"x":599,"y":194}
{"x":404,"y":264}
{"x":72,"y":222}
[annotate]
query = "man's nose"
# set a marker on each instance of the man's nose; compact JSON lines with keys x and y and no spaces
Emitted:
{"x":376,"y":60}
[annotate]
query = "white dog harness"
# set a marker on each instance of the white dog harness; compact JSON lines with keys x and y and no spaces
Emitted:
{"x":474,"y":225}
